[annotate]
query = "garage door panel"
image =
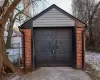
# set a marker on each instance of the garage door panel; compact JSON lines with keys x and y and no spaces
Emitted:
{"x":63,"y":57}
{"x":44,"y":55}
{"x":43,"y":37}
{"x":63,"y":34}
{"x":43,"y":43}
{"x":64,"y":44}
{"x":64,"y":41}
{"x":41,"y":63}
{"x":43,"y":34}
{"x":64,"y":51}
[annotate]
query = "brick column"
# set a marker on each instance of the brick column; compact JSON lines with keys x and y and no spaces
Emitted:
{"x":27,"y":46}
{"x":79,"y":48}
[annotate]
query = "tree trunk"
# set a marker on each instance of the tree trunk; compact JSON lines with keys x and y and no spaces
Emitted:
{"x":3,"y":19}
{"x":6,"y":62}
{"x":10,"y":32}
{"x":90,"y":39}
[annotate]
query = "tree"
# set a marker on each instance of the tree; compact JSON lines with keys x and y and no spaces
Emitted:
{"x":86,"y":10}
{"x":25,"y":12}
{"x":13,"y":17}
{"x":5,"y":12}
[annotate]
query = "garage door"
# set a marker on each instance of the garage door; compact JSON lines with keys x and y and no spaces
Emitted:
{"x":53,"y":46}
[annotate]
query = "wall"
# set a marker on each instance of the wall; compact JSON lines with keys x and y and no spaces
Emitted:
{"x":79,"y":48}
{"x":27,"y":48}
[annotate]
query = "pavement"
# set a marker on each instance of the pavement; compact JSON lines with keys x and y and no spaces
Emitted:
{"x":56,"y":73}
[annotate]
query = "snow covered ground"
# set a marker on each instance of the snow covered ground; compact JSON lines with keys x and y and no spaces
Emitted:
{"x":93,"y":58}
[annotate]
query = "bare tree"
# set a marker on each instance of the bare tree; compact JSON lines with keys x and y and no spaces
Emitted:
{"x":86,"y":10}
{"x":26,"y":12}
{"x":13,"y":17}
{"x":5,"y":12}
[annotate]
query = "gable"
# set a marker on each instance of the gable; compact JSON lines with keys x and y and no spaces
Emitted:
{"x":53,"y":18}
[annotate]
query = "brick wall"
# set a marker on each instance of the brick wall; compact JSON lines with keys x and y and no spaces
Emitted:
{"x":27,"y":47}
{"x":79,"y":47}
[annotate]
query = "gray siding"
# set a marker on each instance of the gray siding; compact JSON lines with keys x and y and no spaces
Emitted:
{"x":53,"y":18}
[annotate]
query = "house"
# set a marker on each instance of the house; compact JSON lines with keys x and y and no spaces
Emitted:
{"x":53,"y":38}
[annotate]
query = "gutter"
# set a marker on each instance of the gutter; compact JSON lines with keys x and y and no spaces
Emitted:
{"x":83,"y":48}
{"x":23,"y":46}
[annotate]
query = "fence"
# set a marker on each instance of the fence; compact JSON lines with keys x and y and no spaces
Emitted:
{"x":15,"y":54}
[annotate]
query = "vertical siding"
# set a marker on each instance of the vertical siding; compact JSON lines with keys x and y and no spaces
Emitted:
{"x":53,"y":18}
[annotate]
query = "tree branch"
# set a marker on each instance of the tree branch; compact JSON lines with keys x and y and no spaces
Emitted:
{"x":9,"y":10}
{"x":4,"y":4}
{"x":22,"y":12}
{"x":95,"y":10}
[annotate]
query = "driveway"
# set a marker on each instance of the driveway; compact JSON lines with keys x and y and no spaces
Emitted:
{"x":56,"y":73}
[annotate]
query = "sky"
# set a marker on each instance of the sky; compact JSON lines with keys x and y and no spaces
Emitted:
{"x":64,"y":4}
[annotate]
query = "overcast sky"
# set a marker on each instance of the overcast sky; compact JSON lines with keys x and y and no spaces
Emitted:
{"x":64,"y":4}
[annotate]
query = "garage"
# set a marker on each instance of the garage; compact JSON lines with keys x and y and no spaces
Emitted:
{"x":53,"y":47}
{"x":53,"y":38}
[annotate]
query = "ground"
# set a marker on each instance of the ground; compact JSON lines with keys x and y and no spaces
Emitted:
{"x":54,"y":73}
{"x":93,"y":58}
{"x":93,"y":64}
{"x":63,"y":73}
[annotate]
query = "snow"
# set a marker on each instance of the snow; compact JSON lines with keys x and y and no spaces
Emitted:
{"x":54,"y":73}
{"x":16,"y":77}
{"x":93,"y":58}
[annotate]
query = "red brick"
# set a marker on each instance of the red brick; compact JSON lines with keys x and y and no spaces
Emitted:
{"x":79,"y":32}
{"x":79,"y":58}
{"x":27,"y":42}
{"x":79,"y":38}
{"x":79,"y":55}
{"x":79,"y":66}
{"x":28,"y":59}
{"x":79,"y":47}
{"x":28,"y":62}
{"x":79,"y":29}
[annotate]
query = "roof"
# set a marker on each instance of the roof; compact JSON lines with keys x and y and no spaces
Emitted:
{"x":16,"y":32}
{"x":46,"y":10}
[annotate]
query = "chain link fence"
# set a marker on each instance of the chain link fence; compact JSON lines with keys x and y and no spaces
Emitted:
{"x":15,"y":54}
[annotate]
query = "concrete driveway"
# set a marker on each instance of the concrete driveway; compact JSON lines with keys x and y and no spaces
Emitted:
{"x":57,"y":73}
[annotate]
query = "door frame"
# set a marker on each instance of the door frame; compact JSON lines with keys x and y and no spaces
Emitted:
{"x":33,"y":57}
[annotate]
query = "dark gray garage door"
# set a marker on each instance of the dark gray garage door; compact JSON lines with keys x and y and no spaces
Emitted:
{"x":53,"y":46}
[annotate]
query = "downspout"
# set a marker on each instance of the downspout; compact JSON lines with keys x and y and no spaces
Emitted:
{"x":83,"y":48}
{"x":23,"y":45}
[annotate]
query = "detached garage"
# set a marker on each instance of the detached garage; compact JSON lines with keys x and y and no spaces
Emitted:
{"x":53,"y":38}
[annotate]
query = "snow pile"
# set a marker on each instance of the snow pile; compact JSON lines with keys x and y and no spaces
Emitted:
{"x":93,"y":58}
{"x":15,"y":77}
